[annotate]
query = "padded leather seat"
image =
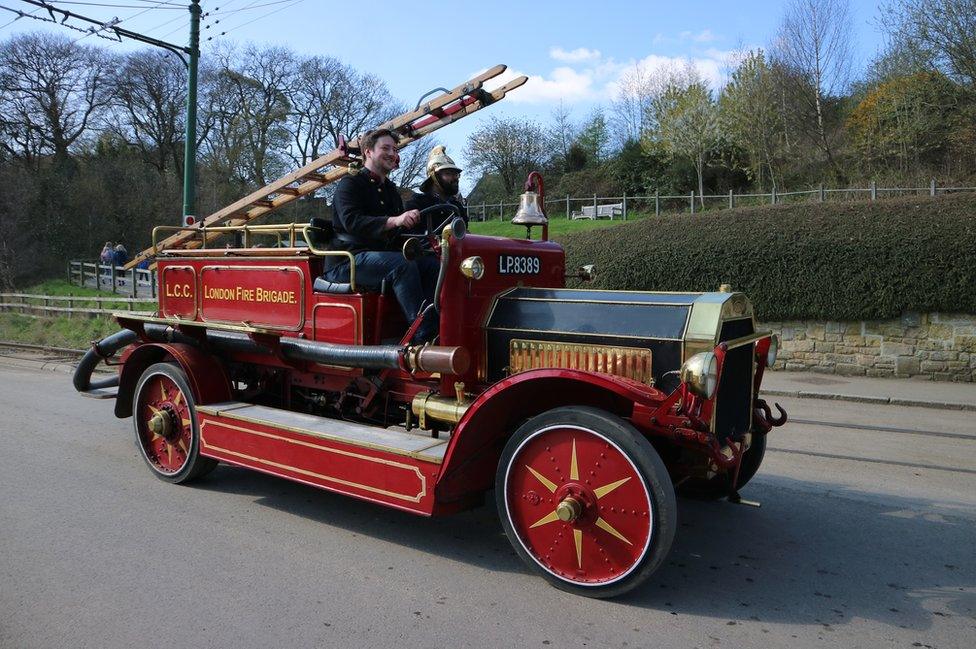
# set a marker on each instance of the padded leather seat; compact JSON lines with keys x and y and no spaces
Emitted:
{"x":322,"y":285}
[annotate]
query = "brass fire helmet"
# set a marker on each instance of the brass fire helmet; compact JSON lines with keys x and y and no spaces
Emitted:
{"x":438,"y":160}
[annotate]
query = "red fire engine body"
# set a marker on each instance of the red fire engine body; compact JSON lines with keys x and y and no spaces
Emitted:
{"x":583,"y":410}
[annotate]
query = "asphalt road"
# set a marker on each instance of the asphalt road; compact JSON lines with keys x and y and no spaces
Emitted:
{"x":865,"y":539}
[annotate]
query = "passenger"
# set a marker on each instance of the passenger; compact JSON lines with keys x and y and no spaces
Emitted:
{"x":441,"y":186}
{"x":368,"y":217}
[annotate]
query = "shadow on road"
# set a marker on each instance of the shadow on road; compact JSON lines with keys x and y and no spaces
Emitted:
{"x":814,"y":554}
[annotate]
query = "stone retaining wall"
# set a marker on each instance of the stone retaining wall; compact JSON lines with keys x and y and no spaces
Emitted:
{"x":936,"y":346}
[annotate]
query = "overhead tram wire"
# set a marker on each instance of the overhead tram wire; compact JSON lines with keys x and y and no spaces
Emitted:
{"x":118,"y":32}
{"x":288,"y":4}
{"x":186,"y":23}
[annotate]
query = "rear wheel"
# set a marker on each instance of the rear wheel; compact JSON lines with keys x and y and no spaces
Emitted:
{"x":167,"y":432}
{"x":586,"y":501}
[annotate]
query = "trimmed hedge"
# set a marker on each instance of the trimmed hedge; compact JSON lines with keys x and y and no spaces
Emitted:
{"x":845,"y":261}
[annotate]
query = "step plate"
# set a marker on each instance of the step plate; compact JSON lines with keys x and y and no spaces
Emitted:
{"x":391,"y":467}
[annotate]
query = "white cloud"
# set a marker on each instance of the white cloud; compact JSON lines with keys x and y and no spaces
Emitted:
{"x":579,"y":55}
{"x":562,"y":83}
{"x":704,"y":36}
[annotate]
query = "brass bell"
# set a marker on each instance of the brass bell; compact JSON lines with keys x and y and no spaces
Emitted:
{"x":530,"y":211}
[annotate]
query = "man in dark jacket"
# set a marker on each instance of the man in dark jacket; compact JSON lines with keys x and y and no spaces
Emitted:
{"x":368,"y":217}
{"x":441,"y":186}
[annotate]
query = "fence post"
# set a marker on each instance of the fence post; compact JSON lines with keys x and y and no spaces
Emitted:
{"x":692,"y":201}
{"x":731,"y":200}
{"x":874,"y":190}
{"x":98,"y":281}
{"x":596,"y":214}
{"x":135,"y":284}
{"x":774,"y":195}
{"x":567,"y":206}
{"x":500,"y":218}
{"x":625,"y":206}
{"x":932,"y":188}
{"x":71,"y":303}
{"x":657,"y":203}
{"x":822,"y":192}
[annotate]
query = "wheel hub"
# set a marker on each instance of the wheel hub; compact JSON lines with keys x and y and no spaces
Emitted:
{"x":163,"y":423}
{"x":569,"y":510}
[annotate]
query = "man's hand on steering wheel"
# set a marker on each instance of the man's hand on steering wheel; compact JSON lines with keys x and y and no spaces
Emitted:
{"x":426,"y":214}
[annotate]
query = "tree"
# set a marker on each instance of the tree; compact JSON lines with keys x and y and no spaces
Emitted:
{"x":687,"y":125}
{"x":815,"y":44}
{"x":508,"y":148}
{"x":562,"y":134}
{"x":150,"y":104}
{"x":940,"y":32}
{"x":906,"y":121}
{"x":52,"y":91}
{"x":247,"y":104}
{"x":594,"y":138}
{"x":749,"y":115}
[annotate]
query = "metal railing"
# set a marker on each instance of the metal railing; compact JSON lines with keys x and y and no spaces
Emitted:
{"x":694,"y":203}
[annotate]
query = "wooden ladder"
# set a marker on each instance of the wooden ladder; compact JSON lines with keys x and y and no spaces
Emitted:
{"x":440,"y":111}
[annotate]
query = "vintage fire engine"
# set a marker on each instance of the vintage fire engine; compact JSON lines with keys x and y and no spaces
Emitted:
{"x":584,"y":410}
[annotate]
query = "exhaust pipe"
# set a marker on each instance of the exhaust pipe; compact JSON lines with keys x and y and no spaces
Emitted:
{"x":105,"y":348}
{"x":446,"y":360}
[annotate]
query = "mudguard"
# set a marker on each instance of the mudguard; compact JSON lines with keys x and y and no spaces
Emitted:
{"x":205,"y":373}
{"x":476,"y":444}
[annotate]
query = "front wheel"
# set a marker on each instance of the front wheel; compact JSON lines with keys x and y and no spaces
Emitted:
{"x":720,"y":486}
{"x":167,"y":432}
{"x":586,"y":501}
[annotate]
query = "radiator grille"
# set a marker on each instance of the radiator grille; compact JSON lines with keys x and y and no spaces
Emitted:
{"x":629,"y":362}
{"x":733,"y":407}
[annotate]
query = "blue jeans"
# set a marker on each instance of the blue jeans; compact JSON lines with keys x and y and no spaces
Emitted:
{"x":413,"y":283}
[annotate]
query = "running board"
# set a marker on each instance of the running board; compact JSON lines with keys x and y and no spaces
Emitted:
{"x":387,"y":466}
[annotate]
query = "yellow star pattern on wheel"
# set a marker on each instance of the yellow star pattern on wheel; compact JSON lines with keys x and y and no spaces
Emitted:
{"x":599,"y":492}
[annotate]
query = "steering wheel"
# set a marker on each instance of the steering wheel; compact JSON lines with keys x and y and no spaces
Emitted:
{"x":427,"y":213}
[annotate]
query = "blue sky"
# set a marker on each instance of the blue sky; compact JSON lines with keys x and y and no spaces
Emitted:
{"x":572,"y":51}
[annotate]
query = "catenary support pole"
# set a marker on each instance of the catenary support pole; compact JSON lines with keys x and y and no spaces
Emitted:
{"x":190,"y":147}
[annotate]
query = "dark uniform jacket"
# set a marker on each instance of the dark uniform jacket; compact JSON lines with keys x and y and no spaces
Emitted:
{"x":419,"y":201}
{"x":360,"y":209}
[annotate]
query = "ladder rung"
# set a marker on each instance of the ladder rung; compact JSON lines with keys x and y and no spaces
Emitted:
{"x":263,"y":203}
{"x":319,"y":178}
{"x":291,"y":191}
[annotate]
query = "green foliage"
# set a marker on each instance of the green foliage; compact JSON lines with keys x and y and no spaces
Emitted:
{"x":70,"y":333}
{"x":854,"y":261}
{"x":558,"y":227}
{"x":906,"y":121}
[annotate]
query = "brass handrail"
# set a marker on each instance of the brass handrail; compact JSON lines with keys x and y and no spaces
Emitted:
{"x":272,"y":228}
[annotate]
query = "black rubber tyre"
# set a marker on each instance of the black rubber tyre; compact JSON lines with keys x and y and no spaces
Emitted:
{"x":720,"y":485}
{"x":623,"y":512}
{"x":163,"y":399}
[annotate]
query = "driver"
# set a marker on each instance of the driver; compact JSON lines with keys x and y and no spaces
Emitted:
{"x":442,"y":184}
{"x":367,"y":217}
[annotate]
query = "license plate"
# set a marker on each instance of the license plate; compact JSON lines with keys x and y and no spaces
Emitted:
{"x":518,"y":265}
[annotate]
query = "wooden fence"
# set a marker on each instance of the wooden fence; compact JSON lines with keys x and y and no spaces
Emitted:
{"x":70,"y":305}
{"x":134,"y":282}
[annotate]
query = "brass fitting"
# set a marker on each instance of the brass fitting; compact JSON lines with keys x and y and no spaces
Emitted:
{"x":446,"y":360}
{"x":446,"y":409}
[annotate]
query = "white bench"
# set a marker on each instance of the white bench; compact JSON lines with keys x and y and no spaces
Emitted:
{"x":608,"y":211}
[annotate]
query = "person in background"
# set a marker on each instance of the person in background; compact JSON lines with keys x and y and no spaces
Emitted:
{"x":108,"y":255}
{"x":120,"y":255}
